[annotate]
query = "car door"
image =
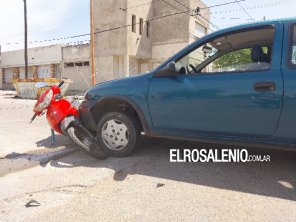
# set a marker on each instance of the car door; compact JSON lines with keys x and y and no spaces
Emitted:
{"x":286,"y":128}
{"x":236,"y":102}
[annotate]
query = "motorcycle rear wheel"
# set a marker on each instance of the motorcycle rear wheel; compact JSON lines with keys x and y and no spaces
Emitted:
{"x":85,"y":143}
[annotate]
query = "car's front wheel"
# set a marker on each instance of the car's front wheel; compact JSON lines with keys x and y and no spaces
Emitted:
{"x":117,"y":133}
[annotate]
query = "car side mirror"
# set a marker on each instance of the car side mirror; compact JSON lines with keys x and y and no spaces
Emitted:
{"x":207,"y":49}
{"x":168,"y":71}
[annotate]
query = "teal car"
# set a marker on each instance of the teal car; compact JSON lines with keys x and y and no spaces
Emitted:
{"x":236,"y":85}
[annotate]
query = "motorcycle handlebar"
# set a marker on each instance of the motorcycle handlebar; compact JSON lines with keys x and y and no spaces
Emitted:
{"x":61,"y":83}
{"x":32,"y":119}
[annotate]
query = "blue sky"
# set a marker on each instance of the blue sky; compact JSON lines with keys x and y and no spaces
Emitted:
{"x":49,"y":19}
{"x":233,"y":14}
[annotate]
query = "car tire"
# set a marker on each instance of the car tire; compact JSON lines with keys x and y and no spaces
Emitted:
{"x":118,"y":134}
{"x":90,"y":147}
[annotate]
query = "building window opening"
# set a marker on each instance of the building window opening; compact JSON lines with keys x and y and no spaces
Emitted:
{"x":141,"y":26}
{"x":69,"y":65}
{"x":134,"y":23}
{"x":148,"y":29}
{"x":76,"y":64}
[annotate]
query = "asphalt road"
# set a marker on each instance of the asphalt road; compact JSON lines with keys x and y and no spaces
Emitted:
{"x":147,"y":187}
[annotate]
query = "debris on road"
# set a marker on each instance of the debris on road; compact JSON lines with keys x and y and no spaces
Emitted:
{"x":32,"y":203}
{"x":160,"y":185}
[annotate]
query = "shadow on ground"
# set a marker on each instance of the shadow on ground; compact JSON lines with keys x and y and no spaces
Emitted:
{"x":15,"y":161}
{"x":275,"y":179}
{"x":60,"y":140}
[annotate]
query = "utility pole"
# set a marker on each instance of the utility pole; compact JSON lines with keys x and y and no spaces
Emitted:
{"x":26,"y":39}
{"x":92,"y":43}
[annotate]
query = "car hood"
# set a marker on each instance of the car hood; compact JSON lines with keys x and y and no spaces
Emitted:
{"x":122,"y":86}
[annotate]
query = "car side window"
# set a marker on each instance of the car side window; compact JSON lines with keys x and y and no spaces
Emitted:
{"x":239,"y":61}
{"x":293,"y":59}
{"x":292,"y":47}
{"x":248,"y":50}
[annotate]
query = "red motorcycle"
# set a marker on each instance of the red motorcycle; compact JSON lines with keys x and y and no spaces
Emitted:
{"x":63,"y":118}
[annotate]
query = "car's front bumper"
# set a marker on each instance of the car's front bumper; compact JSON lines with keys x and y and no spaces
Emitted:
{"x":86,"y":116}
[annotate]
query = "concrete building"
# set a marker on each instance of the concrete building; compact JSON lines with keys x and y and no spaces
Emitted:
{"x":57,"y":61}
{"x":147,"y":37}
{"x":75,"y":65}
{"x":43,"y":63}
{"x":131,"y":37}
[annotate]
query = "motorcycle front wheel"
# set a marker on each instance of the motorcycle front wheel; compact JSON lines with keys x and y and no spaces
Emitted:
{"x":85,"y":143}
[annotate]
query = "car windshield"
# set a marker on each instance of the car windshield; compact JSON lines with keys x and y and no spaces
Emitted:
{"x":198,"y":56}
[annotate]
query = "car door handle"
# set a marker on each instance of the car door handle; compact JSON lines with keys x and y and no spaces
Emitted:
{"x":264,"y":86}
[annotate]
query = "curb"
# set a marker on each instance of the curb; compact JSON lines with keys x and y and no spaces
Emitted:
{"x":17,"y":162}
{"x":54,"y":155}
{"x":42,"y":157}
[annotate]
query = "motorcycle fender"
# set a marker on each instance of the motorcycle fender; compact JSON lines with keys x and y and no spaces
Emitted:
{"x":69,"y":121}
{"x":57,"y":111}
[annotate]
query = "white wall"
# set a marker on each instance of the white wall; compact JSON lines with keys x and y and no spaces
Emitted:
{"x":139,"y":45}
{"x":119,"y":67}
{"x":40,"y":55}
{"x":8,"y":75}
{"x":45,"y":56}
{"x":43,"y":71}
{"x":165,"y":51}
{"x":108,"y":15}
{"x":22,"y":72}
{"x":76,"y":52}
{"x":81,"y":77}
{"x":104,"y":68}
{"x":144,"y":67}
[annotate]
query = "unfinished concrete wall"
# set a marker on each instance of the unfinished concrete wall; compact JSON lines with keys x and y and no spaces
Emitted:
{"x":76,"y":66}
{"x":8,"y":75}
{"x":49,"y":62}
{"x":40,"y":55}
{"x":75,"y":52}
{"x":175,"y":32}
{"x":43,"y":71}
{"x":172,"y":28}
{"x":198,"y":25}
{"x":13,"y":64}
{"x":2,"y":77}
{"x":124,"y":51}
{"x":104,"y":68}
{"x":139,"y":44}
{"x":80,"y":75}
{"x":170,"y":34}
{"x":6,"y":78}
{"x":107,"y":15}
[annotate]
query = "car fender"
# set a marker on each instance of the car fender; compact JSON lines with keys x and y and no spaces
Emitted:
{"x":132,"y":103}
